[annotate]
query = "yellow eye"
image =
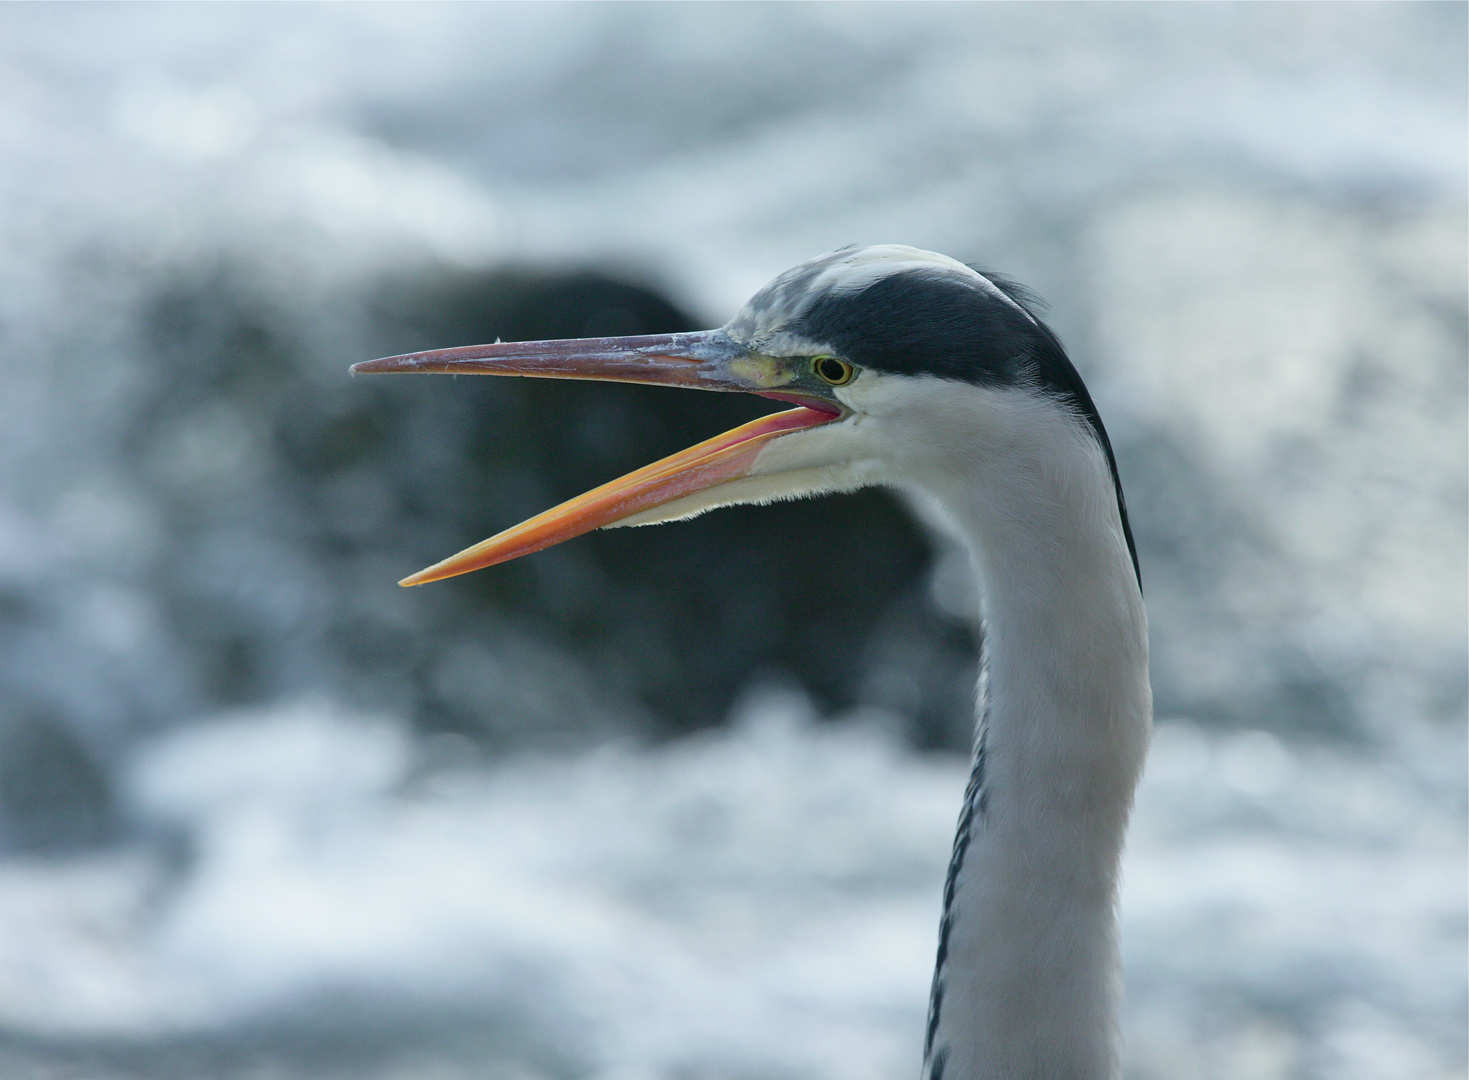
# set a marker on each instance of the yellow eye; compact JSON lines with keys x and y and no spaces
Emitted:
{"x":832,"y":370}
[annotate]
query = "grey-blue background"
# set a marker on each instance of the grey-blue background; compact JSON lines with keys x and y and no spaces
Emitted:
{"x":675,"y":802}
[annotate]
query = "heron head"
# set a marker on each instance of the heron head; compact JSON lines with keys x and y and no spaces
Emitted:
{"x":880,"y":349}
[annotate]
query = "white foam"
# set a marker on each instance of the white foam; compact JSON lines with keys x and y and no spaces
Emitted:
{"x":756,"y":902}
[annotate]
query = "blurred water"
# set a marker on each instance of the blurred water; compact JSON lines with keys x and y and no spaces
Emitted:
{"x":754,"y":902}
{"x":1250,"y":221}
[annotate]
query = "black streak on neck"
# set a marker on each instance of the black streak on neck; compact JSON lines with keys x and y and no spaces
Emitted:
{"x":969,"y":818}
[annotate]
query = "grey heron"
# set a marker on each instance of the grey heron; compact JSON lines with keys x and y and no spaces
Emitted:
{"x":910,"y":369}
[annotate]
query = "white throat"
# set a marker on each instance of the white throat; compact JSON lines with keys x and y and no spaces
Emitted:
{"x":1028,"y":981}
{"x":1029,"y":977}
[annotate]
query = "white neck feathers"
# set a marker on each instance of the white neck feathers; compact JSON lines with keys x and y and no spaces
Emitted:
{"x":1029,"y":978}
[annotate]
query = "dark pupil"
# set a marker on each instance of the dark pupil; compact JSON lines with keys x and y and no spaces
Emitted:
{"x":831,"y":370}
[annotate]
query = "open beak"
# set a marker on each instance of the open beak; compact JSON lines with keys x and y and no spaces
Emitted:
{"x":707,"y":360}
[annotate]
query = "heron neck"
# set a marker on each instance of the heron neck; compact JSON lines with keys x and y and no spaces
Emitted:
{"x":1029,"y":976}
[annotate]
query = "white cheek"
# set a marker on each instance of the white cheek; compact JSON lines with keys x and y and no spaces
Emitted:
{"x":877,"y":394}
{"x":856,"y":395}
{"x":921,"y":426}
{"x":903,"y":418}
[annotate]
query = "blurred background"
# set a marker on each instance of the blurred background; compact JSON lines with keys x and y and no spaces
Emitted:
{"x":676,"y":802}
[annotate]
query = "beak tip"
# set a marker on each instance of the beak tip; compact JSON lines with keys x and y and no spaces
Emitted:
{"x":390,"y":364}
